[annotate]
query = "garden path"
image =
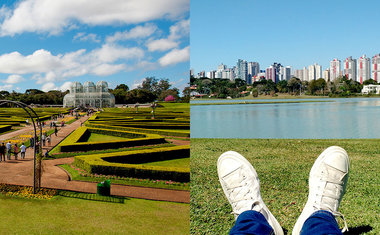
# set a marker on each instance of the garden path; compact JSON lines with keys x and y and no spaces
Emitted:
{"x":20,"y":172}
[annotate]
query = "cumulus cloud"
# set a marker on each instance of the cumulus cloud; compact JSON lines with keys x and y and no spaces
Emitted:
{"x":52,"y":17}
{"x":83,"y":37}
{"x":6,"y":87}
{"x":110,"y":53}
{"x":136,"y":32}
{"x":65,"y":86}
{"x":49,"y":86}
{"x":177,"y":31}
{"x":14,"y":78}
{"x":175,"y":56}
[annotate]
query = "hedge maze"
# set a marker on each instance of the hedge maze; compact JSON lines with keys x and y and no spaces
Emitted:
{"x":16,"y":117}
{"x":136,"y":129}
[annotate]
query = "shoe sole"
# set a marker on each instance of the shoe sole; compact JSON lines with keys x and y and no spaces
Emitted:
{"x":236,"y":156}
{"x":309,"y":204}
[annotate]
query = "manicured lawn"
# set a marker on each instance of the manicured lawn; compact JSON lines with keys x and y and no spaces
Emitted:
{"x":283,"y":167}
{"x":152,"y":183}
{"x":94,"y":137}
{"x":62,"y":215}
{"x":181,"y":162}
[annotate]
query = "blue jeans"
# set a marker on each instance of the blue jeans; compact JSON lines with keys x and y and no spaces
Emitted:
{"x":319,"y":223}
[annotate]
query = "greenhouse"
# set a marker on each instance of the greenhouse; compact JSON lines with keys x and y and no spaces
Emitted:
{"x":89,"y":95}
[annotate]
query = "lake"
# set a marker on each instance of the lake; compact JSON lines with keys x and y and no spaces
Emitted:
{"x":342,"y":118}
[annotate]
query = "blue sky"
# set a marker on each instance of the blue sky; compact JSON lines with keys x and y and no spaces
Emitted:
{"x":47,"y":44}
{"x":295,"y":33}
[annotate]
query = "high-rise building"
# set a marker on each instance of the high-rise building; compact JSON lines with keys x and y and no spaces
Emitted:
{"x":284,"y":73}
{"x":270,"y":73}
{"x":305,"y":74}
{"x":242,"y":70}
{"x":222,"y":67}
{"x":349,"y":68}
{"x":298,"y":73}
{"x":364,"y":69}
{"x":326,"y":74}
{"x":253,"y":69}
{"x":211,"y":74}
{"x":376,"y":67}
{"x":334,"y":69}
{"x":314,"y":72}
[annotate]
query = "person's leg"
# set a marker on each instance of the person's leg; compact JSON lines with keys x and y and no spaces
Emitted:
{"x":327,"y":183}
{"x":251,"y":222}
{"x":320,"y":223}
{"x":241,"y":186}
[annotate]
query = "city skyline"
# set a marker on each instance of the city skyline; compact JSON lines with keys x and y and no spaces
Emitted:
{"x":47,"y":45}
{"x":296,"y":33}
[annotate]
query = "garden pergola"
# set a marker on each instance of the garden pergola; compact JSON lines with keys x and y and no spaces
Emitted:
{"x":36,"y":161}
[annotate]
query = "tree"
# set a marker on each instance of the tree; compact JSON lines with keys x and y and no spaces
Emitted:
{"x":186,"y":94}
{"x":294,"y":84}
{"x":123,"y":87}
{"x":139,"y":96}
{"x":173,"y":92}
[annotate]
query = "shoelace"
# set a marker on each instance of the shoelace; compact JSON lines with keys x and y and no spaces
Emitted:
{"x":241,"y":193}
{"x":336,"y":179}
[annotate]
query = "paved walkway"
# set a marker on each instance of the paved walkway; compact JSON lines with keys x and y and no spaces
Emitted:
{"x":20,"y":172}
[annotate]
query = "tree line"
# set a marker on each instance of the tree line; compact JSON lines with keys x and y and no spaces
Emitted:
{"x":150,"y":90}
{"x":223,"y":88}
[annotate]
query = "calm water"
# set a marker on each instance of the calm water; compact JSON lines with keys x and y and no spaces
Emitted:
{"x":342,"y":118}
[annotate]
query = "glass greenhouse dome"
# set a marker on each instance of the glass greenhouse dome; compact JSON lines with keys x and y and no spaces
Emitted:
{"x":89,"y":95}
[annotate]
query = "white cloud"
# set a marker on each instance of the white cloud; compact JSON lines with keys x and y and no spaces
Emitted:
{"x":108,"y":69}
{"x":137,"y":83}
{"x":111,"y":53}
{"x":52,"y":17}
{"x":136,"y":32}
{"x":83,"y":37}
{"x":14,"y":78}
{"x":175,"y":56}
{"x":177,"y":31}
{"x":65,"y":86}
{"x":161,"y":45}
{"x":49,"y":86}
{"x":6,"y":87}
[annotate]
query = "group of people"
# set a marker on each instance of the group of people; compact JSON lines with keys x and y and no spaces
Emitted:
{"x":6,"y":150}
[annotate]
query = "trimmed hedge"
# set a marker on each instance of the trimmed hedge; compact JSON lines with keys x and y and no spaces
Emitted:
{"x":143,"y":130}
{"x":4,"y":128}
{"x":72,"y":142}
{"x":100,"y":163}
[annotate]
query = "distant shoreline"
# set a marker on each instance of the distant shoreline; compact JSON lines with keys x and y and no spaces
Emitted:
{"x":264,"y":102}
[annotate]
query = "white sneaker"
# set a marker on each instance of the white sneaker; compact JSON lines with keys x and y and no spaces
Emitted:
{"x":241,"y":186}
{"x":327,"y":183}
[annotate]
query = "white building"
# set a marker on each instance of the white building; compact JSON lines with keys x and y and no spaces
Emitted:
{"x":376,"y":67}
{"x":334,"y":69}
{"x":298,"y":73}
{"x":285,"y":73}
{"x":349,"y":68}
{"x":364,"y":69}
{"x":375,"y":89}
{"x":305,"y":74}
{"x":326,"y":75}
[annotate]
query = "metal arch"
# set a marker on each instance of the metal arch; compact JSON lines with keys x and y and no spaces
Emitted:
{"x":24,"y":106}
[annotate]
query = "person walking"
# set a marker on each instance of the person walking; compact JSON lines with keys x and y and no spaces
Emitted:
{"x":15,"y":151}
{"x":9,"y":149}
{"x":43,"y":139}
{"x":55,"y":130}
{"x":23,"y":150}
{"x":48,"y":140}
{"x":2,"y":152}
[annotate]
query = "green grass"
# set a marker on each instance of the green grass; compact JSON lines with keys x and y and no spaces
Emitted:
{"x":283,"y":167}
{"x":94,"y":137}
{"x":64,"y":215}
{"x":132,"y":182}
{"x":182,"y":162}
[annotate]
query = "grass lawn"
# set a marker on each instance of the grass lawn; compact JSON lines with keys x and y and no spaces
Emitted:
{"x":95,"y":137}
{"x":75,"y":175}
{"x":181,"y":162}
{"x":62,"y":215}
{"x":283,"y":167}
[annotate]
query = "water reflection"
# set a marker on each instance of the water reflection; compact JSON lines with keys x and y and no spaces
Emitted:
{"x":343,"y":118}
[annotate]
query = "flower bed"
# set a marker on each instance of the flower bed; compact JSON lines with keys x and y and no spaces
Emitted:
{"x":27,"y":192}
